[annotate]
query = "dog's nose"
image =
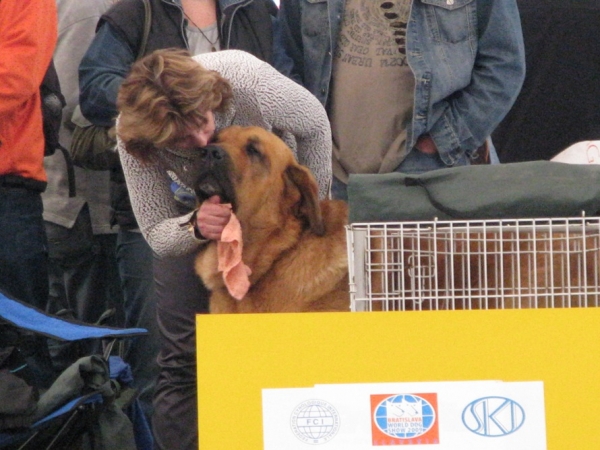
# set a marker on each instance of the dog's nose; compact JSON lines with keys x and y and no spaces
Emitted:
{"x":212,"y":153}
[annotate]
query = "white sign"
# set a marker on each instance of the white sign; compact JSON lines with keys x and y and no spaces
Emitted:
{"x":473,"y":415}
{"x":585,"y":152}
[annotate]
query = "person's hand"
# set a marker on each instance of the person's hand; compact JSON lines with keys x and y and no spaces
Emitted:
{"x":426,"y":145}
{"x":212,"y":217}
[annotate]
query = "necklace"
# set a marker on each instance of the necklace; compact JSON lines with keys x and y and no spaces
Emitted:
{"x":212,"y":44}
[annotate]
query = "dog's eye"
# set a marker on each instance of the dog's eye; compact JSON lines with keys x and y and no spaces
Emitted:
{"x":252,"y":150}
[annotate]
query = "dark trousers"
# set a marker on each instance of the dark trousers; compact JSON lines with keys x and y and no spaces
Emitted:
{"x":180,"y":296}
{"x":134,"y":259}
{"x":84,"y":281}
{"x":24,"y":264}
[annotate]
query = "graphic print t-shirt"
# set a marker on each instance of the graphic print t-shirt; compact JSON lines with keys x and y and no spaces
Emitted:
{"x":373,"y":88}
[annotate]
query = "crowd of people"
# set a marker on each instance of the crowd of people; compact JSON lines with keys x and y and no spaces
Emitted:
{"x":351,"y":86}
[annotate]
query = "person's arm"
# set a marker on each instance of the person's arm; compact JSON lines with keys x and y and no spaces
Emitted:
{"x":165,"y":229}
{"x":468,"y":117}
{"x":158,"y":214}
{"x":101,"y":72}
{"x":288,"y":107}
{"x":28,"y":33}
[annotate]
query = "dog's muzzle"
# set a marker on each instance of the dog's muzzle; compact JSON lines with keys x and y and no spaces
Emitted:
{"x":213,"y":174}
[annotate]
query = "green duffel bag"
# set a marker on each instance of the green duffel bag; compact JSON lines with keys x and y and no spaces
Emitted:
{"x":501,"y":191}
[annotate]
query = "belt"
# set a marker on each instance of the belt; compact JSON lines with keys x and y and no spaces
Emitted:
{"x":19,"y":182}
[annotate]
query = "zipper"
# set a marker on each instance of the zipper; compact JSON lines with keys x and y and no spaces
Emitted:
{"x":181,"y":25}
{"x":230,"y":20}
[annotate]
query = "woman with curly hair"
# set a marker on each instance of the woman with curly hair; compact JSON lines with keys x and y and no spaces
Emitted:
{"x":170,"y":106}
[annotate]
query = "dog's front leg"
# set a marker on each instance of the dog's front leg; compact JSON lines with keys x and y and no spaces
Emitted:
{"x":222,"y":303}
{"x":207,"y":268}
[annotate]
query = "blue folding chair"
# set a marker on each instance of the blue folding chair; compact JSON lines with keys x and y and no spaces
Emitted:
{"x":87,"y":398}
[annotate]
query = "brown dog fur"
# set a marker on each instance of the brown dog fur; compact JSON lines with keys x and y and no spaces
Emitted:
{"x":294,"y":244}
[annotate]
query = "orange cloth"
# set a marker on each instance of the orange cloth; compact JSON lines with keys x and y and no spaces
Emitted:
{"x":229,"y":251}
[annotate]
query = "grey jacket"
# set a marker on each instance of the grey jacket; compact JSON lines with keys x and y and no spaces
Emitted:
{"x":76,"y":28}
{"x":262,"y":97}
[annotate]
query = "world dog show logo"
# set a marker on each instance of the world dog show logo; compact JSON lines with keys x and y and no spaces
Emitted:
{"x":404,"y":419}
{"x":315,"y":422}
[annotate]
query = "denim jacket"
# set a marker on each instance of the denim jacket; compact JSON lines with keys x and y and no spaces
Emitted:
{"x":467,"y":57}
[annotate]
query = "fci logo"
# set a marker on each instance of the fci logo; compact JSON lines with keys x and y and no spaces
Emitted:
{"x":493,"y":416}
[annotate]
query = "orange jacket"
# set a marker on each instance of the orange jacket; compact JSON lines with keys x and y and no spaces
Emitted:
{"x":28,"y":32}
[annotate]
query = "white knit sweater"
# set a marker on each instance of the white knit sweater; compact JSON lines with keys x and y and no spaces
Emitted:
{"x":261,"y":97}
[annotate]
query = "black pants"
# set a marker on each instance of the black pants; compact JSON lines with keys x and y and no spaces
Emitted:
{"x":180,"y":296}
{"x":83,"y":280}
{"x":83,"y":270}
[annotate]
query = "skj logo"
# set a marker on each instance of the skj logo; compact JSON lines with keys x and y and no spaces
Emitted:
{"x":493,"y":416}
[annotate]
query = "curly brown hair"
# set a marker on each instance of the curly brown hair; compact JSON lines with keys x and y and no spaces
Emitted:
{"x":165,"y":94}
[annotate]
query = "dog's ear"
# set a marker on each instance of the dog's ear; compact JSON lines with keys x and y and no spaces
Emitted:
{"x":307,"y":206}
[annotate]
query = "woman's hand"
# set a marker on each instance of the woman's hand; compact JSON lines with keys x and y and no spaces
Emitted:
{"x":426,"y":145}
{"x":212,"y":217}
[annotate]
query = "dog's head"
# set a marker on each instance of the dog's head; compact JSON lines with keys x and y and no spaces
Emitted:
{"x":257,"y":173}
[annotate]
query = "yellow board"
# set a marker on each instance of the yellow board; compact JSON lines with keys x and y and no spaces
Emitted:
{"x":239,"y":355}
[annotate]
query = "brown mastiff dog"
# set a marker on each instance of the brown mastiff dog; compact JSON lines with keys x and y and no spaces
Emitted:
{"x":294,"y":244}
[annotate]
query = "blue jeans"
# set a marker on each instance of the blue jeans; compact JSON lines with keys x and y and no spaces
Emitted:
{"x":23,"y":246}
{"x":24,"y":265}
{"x":134,"y":259}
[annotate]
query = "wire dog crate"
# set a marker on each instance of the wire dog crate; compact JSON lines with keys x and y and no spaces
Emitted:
{"x":485,"y":264}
